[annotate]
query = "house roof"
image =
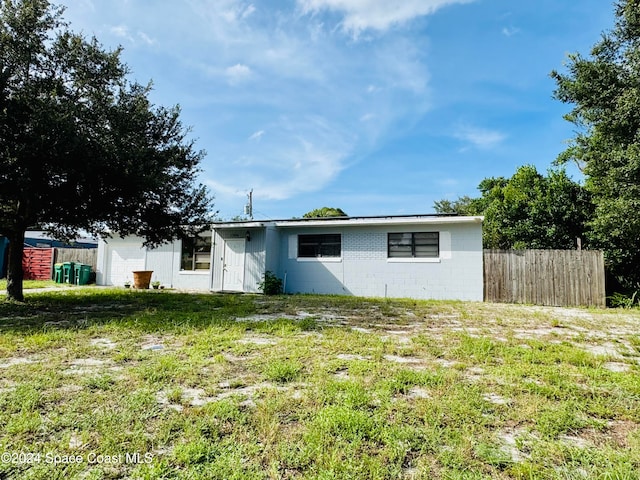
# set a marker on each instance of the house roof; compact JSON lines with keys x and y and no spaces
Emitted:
{"x":43,"y":235}
{"x":354,"y":221}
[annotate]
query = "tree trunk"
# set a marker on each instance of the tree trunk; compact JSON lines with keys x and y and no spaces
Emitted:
{"x":15,"y":275}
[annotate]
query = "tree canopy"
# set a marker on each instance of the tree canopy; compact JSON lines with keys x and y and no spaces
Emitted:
{"x":81,"y":147}
{"x":604,"y":91}
{"x":528,"y":210}
{"x":325,"y":212}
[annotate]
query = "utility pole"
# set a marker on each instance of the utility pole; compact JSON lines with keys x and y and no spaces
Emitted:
{"x":248,"y":209}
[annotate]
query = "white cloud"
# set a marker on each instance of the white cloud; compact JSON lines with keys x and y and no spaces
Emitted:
{"x":403,"y":66}
{"x":121,"y":31}
{"x":88,"y":4}
{"x":256,"y":136}
{"x":229,"y":11}
{"x":248,"y":11}
{"x":510,"y":31}
{"x":145,"y":38}
{"x":313,"y":169}
{"x":360,"y":15}
{"x":307,"y":168}
{"x":240,"y":69}
{"x":237,"y":74}
{"x":300,"y":155}
{"x":479,"y":137}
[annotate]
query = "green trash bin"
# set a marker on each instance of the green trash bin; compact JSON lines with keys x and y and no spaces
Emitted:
{"x":85,"y":275}
{"x":57,"y":273}
{"x":76,"y":273}
{"x":82,"y":274}
{"x":67,"y":272}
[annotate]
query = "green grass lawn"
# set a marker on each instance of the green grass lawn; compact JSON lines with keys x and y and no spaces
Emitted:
{"x":98,"y":383}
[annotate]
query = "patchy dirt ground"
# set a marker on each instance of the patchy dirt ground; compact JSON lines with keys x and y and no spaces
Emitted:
{"x":606,"y":333}
{"x":493,"y":388}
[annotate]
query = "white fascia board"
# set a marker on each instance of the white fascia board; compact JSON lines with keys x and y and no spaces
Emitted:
{"x":353,"y":222}
{"x":231,"y":225}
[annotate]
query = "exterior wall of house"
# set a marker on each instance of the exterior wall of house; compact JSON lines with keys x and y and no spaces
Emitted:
{"x":365,"y":270}
{"x":162,"y":261}
{"x":217,"y":259}
{"x":255,"y":254}
{"x":118,"y":258}
{"x":311,"y":275}
{"x":272,"y":259}
{"x":165,"y":262}
{"x":192,"y":280}
{"x":255,"y":260}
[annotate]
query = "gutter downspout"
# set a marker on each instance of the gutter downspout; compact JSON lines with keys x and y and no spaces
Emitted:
{"x":173,"y":261}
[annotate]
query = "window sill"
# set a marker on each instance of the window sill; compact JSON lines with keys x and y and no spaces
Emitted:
{"x":194,"y":272}
{"x":413,"y":260}
{"x":320,"y":259}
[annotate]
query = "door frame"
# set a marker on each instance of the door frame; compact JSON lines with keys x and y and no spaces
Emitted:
{"x":240,"y":241}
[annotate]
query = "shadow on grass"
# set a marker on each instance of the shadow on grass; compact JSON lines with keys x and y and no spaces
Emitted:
{"x":151,"y":310}
{"x":142,"y":310}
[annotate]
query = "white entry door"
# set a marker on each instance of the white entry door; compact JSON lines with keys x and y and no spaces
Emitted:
{"x":233,"y":272}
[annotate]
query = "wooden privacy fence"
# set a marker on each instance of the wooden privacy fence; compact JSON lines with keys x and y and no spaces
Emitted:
{"x":545,"y":277}
{"x":88,"y":256}
{"x":37,"y":263}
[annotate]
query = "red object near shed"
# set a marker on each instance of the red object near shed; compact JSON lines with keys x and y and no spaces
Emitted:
{"x":37,"y":263}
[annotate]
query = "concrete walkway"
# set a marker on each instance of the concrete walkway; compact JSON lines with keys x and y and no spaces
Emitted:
{"x":54,"y":288}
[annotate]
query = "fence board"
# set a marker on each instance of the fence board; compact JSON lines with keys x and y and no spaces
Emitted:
{"x":36,"y":263}
{"x":88,"y":256}
{"x":545,"y":277}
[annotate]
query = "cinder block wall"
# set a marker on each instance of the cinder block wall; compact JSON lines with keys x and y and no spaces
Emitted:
{"x":365,"y":270}
{"x":118,"y":258}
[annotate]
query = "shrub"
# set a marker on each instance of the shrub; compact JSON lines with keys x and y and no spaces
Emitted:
{"x":621,"y":300}
{"x":271,"y":285}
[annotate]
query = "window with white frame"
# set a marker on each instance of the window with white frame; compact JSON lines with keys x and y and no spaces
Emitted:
{"x":325,"y":245}
{"x":196,"y":253}
{"x":413,"y":245}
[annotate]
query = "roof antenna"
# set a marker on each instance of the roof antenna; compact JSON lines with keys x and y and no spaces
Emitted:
{"x":248,"y":208}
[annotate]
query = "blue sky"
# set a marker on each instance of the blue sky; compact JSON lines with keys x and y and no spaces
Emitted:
{"x":378,"y":107}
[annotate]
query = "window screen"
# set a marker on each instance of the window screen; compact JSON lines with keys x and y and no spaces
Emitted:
{"x":196,"y":253}
{"x":414,"y":245}
{"x":323,"y":245}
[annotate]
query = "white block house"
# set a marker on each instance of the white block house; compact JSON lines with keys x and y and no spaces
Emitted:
{"x":421,"y":256}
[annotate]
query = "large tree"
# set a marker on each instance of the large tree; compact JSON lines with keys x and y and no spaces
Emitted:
{"x":325,"y":212}
{"x":604,"y":89}
{"x":527,"y":210}
{"x":81,"y":147}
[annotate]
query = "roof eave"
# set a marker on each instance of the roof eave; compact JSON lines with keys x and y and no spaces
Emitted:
{"x":352,"y":222}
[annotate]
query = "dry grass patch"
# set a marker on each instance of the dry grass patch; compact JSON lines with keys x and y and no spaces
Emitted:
{"x":212,"y":386}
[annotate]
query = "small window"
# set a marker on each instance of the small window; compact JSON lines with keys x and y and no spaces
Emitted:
{"x":324,"y":245}
{"x":196,"y":253}
{"x":414,"y":245}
